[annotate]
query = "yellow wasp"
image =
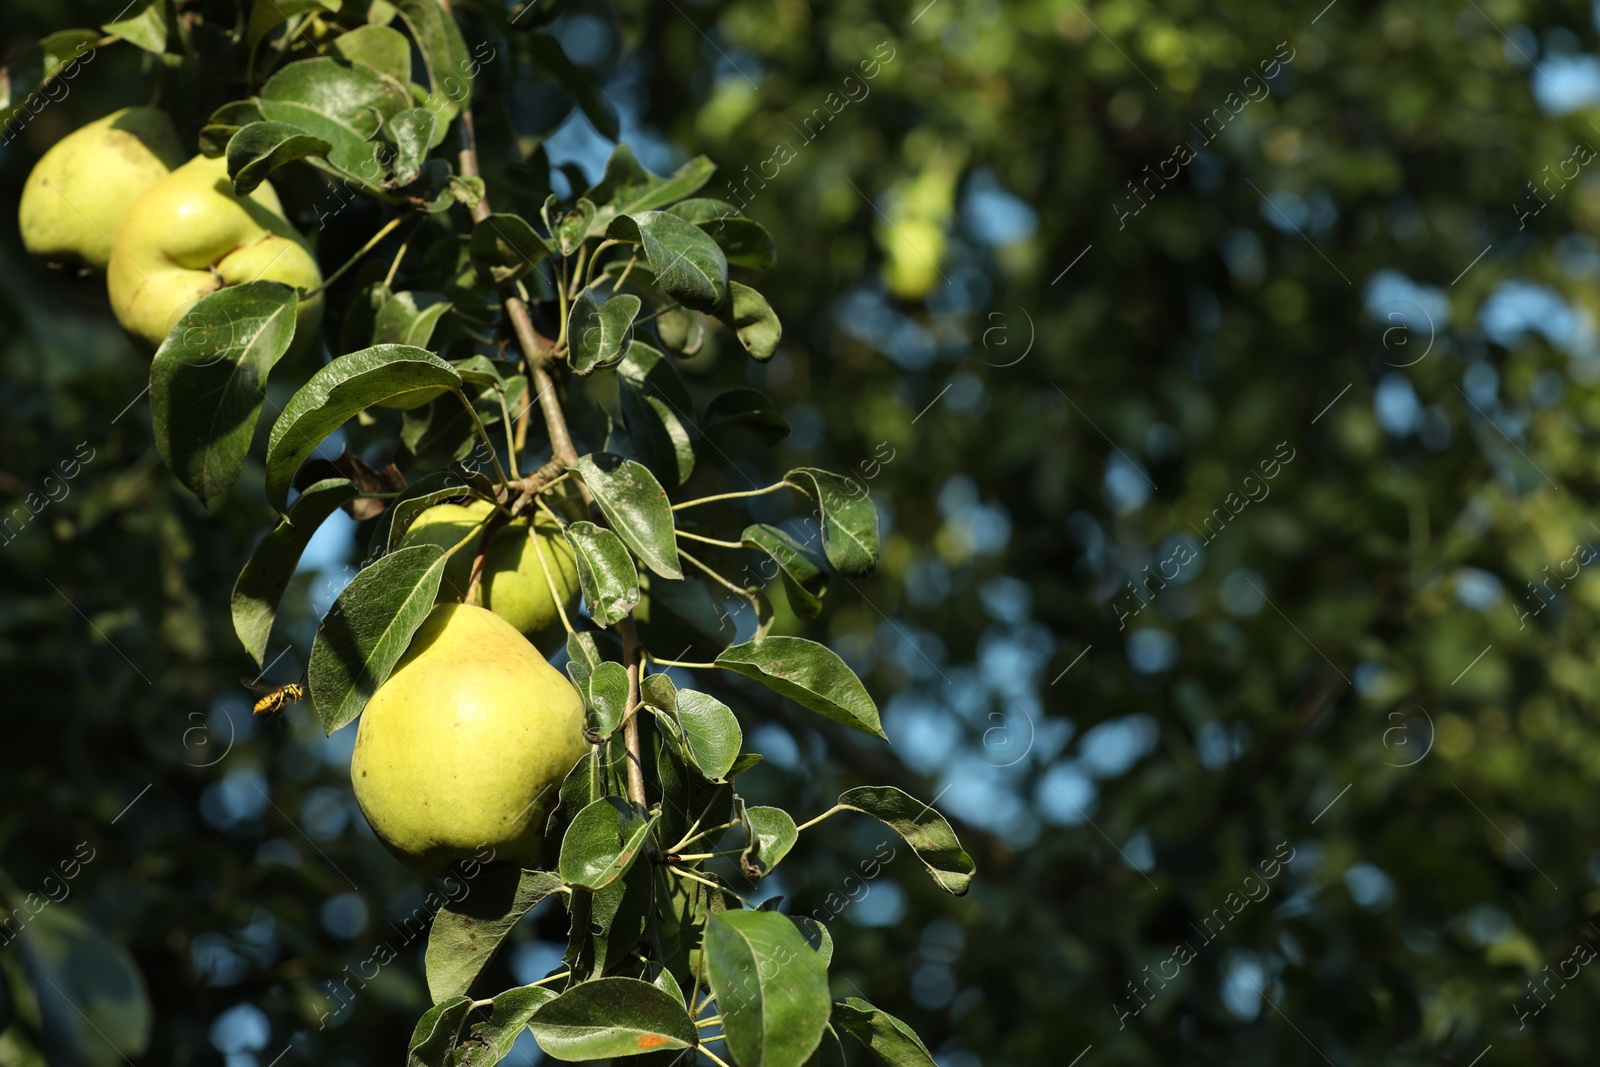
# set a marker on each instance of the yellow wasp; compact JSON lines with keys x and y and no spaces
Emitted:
{"x":274,"y":698}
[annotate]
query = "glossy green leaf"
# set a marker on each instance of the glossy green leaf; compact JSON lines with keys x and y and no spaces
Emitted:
{"x":409,"y":319}
{"x":687,"y":264}
{"x":268,"y":15}
{"x":336,"y":392}
{"x":710,"y":732}
{"x":572,"y":228}
{"x":143,"y":23}
{"x":816,"y":934}
{"x":772,"y":835}
{"x":659,"y":413}
{"x":606,"y":573}
{"x":605,"y":695}
{"x":744,"y":241}
{"x":367,"y":630}
{"x":344,"y":106}
{"x":266,"y":575}
{"x":627,"y":187}
{"x":450,"y":68}
{"x":750,"y":408}
{"x":617,"y":918}
{"x":612,"y":1017}
{"x":810,"y":674}
{"x":636,"y":507}
{"x":849,"y":519}
{"x":891,"y":1041}
{"x":927,"y":832}
{"x":383,"y":49}
{"x":598,"y":333}
{"x":602,"y":842}
{"x":434,"y":1038}
{"x":467,"y":933}
{"x":262,"y":147}
{"x":771,"y":988}
{"x":504,"y":247}
{"x":752,"y":320}
{"x":412,"y":133}
{"x":209,"y":377}
{"x":488,"y":1043}
{"x":803,"y":579}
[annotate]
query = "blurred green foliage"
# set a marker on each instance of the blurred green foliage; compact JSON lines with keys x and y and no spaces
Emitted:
{"x":1050,"y":359}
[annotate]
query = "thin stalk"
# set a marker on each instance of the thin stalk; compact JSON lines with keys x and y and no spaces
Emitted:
{"x":511,"y":441}
{"x":773,"y":488}
{"x":387,"y":229}
{"x":483,"y":434}
{"x":712,"y":1021}
{"x":836,"y":809}
{"x":679,"y":663}
{"x":617,"y":287}
{"x":690,"y":837}
{"x":710,"y":540}
{"x":681,"y":873}
{"x":712,"y":1056}
{"x":736,"y":590}
{"x":552,"y":978}
{"x":657,"y":313}
{"x":630,"y":729}
{"x":394,"y":267}
{"x":549,"y":580}
{"x":594,"y":263}
{"x":687,"y":857}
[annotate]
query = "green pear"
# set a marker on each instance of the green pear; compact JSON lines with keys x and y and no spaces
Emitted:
{"x":513,"y":585}
{"x":189,"y":235}
{"x":464,"y":748}
{"x":76,"y":197}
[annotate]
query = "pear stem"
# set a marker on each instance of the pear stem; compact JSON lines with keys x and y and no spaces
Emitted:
{"x":549,"y":579}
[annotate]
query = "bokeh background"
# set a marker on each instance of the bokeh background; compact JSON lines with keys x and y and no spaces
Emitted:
{"x":1226,"y":376}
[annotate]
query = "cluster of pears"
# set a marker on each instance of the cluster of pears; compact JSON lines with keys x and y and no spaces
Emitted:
{"x":116,"y":195}
{"x":463,"y":749}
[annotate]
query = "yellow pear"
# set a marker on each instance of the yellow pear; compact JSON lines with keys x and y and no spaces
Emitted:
{"x":513,"y":585}
{"x":464,"y":748}
{"x":75,"y":198}
{"x":189,"y":235}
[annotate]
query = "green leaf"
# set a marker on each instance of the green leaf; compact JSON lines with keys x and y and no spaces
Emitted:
{"x":772,"y":835}
{"x":343,"y":106}
{"x":636,"y":507}
{"x":490,"y":1042}
{"x":434,"y":1038}
{"x":749,"y":408}
{"x":687,"y":264}
{"x":611,"y":1017}
{"x":771,"y":988}
{"x":849,"y":519}
{"x":605,"y":694}
{"x":927,"y":832}
{"x":336,"y":392}
{"x":504,"y":247}
{"x":268,"y":15}
{"x":209,"y":378}
{"x":626,"y":187}
{"x":90,"y":992}
{"x":617,"y":918}
{"x":368,"y":628}
{"x":752,"y":320}
{"x":803,"y":580}
{"x":816,"y":934}
{"x":811,"y":675}
{"x":261,"y":584}
{"x":146,"y":26}
{"x":466,"y":934}
{"x":409,"y":319}
{"x":572,"y":229}
{"x":226,"y":121}
{"x":657,"y":409}
{"x":744,"y":241}
{"x":262,"y":147}
{"x":687,"y":795}
{"x":606,"y":573}
{"x":438,"y":487}
{"x":890,"y":1040}
{"x":598,"y":333}
{"x":709,"y":732}
{"x":383,"y":49}
{"x":412,"y":133}
{"x":602,"y":842}
{"x":444,"y":52}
